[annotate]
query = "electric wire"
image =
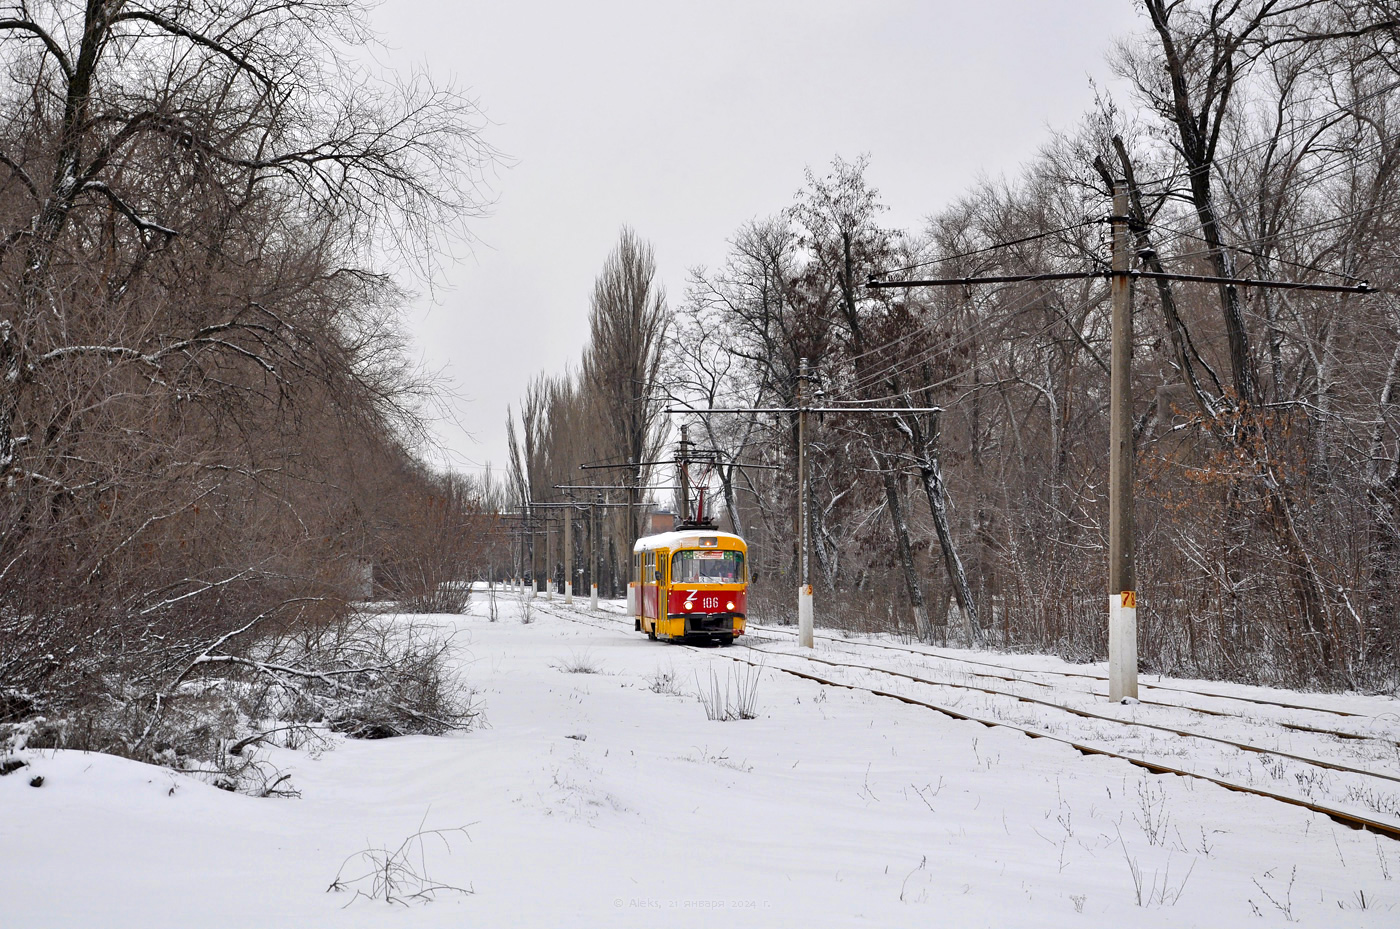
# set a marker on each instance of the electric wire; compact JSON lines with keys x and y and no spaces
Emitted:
{"x":1265,"y":143}
{"x":990,"y":248}
{"x":1004,"y":315}
{"x":994,"y":247}
{"x":1294,"y":232}
{"x":1350,"y":160}
{"x":898,"y":367}
{"x":1172,"y":233}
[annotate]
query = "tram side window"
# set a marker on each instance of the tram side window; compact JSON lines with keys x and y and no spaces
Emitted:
{"x":707,"y":567}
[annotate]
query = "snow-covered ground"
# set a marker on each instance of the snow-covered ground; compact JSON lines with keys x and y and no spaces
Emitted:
{"x":609,"y":799}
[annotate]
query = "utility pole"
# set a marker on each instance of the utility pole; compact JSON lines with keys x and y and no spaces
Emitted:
{"x":593,"y":552}
{"x":805,"y":636}
{"x":536,"y":519}
{"x":548,"y":558}
{"x":534,"y":554}
{"x":520,"y":563}
{"x":634,"y":479}
{"x":634,"y":499}
{"x":1122,"y":584}
{"x":569,"y":555}
{"x":683,"y":471}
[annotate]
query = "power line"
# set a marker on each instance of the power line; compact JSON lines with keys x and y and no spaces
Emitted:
{"x":898,"y":366}
{"x":944,"y":258}
{"x":1361,"y":288}
{"x":804,"y":597}
{"x":1327,"y":174}
{"x":1180,"y":256}
{"x":1294,"y":232}
{"x":1240,"y":153}
{"x":905,"y":365}
{"x":994,"y":247}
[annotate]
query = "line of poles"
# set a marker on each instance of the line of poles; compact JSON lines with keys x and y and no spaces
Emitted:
{"x":534,"y":520}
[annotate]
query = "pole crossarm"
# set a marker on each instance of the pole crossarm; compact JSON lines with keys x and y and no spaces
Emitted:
{"x":812,"y":409}
{"x":574,"y":504}
{"x":610,"y":487}
{"x":1362,"y":288}
{"x":629,"y":464}
{"x":727,"y":464}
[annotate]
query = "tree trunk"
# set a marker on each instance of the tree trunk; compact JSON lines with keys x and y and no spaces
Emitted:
{"x":924,"y":442}
{"x":905,"y":552}
{"x":931,"y":475}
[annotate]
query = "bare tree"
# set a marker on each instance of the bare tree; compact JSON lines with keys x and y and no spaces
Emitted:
{"x":627,"y":322}
{"x":203,"y":383}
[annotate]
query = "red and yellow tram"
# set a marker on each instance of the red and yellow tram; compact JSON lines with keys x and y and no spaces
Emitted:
{"x":690,"y":585}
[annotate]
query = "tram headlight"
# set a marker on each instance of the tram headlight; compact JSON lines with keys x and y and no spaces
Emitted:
{"x":729,"y":605}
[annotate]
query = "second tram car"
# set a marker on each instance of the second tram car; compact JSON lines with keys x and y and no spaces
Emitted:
{"x":690,"y":585}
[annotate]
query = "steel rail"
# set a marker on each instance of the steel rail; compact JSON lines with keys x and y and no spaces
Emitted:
{"x":1019,"y":678}
{"x":1095,"y":677}
{"x":1090,"y":714}
{"x":1345,"y":817}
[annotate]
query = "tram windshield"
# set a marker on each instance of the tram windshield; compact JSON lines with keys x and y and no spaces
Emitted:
{"x":707,"y":567}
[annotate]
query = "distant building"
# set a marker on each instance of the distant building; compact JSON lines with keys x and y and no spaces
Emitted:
{"x":660,"y":521}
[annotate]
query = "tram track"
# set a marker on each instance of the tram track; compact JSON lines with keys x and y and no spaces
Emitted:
{"x":1021,"y":678}
{"x":1350,"y":818}
{"x":1090,"y":714}
{"x":1019,"y":675}
{"x":1345,"y":817}
{"x":1237,"y":744}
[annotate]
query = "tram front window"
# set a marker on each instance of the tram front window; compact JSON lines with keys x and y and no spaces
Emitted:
{"x":707,"y":567}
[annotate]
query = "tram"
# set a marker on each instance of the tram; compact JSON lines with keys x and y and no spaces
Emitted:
{"x":690,"y":585}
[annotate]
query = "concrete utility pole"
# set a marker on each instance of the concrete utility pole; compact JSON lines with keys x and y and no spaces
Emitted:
{"x":524,"y":547}
{"x":1122,"y":584}
{"x":548,"y":558}
{"x":634,"y":497}
{"x":683,"y":472}
{"x":534,"y":554}
{"x":805,"y":635}
{"x":593,"y":552}
{"x":539,"y":521}
{"x":569,"y":555}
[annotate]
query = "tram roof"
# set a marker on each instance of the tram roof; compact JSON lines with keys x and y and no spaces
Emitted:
{"x":684,"y":538}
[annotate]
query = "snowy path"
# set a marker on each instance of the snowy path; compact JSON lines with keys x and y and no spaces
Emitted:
{"x":832,"y":808}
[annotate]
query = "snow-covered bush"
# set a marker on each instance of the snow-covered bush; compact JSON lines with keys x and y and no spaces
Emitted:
{"x":363,"y":675}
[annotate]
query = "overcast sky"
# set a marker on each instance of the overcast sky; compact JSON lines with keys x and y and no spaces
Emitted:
{"x":687,"y":119}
